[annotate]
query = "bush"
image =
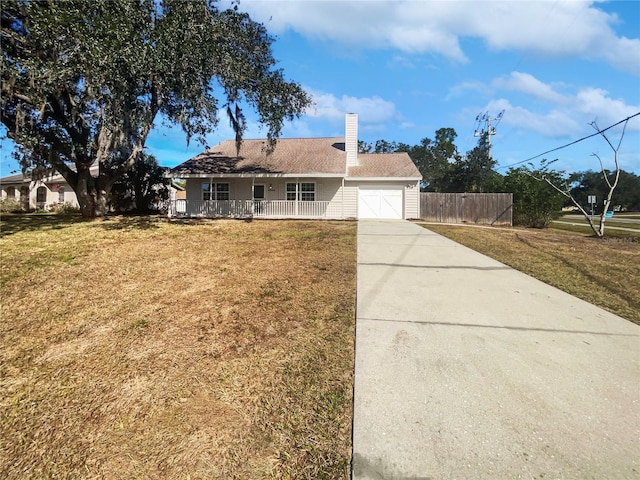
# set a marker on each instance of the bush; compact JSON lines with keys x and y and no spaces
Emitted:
{"x":535,"y":203}
{"x":65,"y":208}
{"x":11,"y":205}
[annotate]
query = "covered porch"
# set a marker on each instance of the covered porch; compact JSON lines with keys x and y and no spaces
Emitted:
{"x":186,"y":208}
{"x":260,"y":197}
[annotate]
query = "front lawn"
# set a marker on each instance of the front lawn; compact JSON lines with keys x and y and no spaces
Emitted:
{"x":144,"y":348}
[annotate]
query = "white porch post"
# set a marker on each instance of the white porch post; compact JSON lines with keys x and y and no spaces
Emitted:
{"x":342,"y":201}
{"x":297,"y":193}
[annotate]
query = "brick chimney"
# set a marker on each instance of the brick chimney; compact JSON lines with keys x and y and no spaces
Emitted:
{"x":351,"y":139}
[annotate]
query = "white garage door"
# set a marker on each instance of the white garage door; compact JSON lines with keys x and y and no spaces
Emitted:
{"x":380,"y":202}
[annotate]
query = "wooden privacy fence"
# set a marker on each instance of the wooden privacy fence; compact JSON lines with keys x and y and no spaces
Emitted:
{"x":483,"y":208}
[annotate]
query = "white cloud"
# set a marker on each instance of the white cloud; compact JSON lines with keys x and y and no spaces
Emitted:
{"x":560,"y":29}
{"x":595,"y":104}
{"x":370,"y":110}
{"x":527,"y":83}
{"x":553,"y":113}
{"x":552,"y":123}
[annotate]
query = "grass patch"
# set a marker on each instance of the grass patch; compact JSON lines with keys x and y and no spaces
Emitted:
{"x":610,"y":228}
{"x":144,"y":348}
{"x":601,"y":271}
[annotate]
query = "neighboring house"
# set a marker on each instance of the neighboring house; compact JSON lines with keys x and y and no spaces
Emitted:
{"x":38,"y":194}
{"x":51,"y":191}
{"x":177,"y":192}
{"x":301,"y":178}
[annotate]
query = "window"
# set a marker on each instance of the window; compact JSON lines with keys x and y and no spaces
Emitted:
{"x":60,"y":194}
{"x":11,"y":193}
{"x":41,"y":195}
{"x":306,"y":191}
{"x":215,"y":191}
{"x":222,"y":191}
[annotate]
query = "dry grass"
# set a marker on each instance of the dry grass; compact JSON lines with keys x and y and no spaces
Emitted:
{"x":142,"y":348}
{"x":602,"y":272}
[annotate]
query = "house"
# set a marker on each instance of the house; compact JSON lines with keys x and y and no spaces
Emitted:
{"x":38,"y":194}
{"x":322,"y":178}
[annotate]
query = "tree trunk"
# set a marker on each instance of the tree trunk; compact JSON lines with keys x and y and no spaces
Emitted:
{"x":93,"y":194}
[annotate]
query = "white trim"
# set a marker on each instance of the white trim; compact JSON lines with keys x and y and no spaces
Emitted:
{"x":299,"y":192}
{"x":213,"y":190}
{"x":264,"y":191}
{"x":255,"y":175}
{"x":383,"y":179}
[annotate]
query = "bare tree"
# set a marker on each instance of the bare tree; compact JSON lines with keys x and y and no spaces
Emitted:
{"x":611,"y":180}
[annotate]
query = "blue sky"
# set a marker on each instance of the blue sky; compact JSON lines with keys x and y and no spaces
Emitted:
{"x":409,"y":68}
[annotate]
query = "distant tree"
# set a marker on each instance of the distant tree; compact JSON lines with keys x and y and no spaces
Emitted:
{"x":142,"y":188}
{"x":475,"y":172}
{"x":434,"y":159}
{"x":535,"y":203}
{"x":626,"y":195}
{"x":364,"y":147}
{"x":83,"y":82}
{"x":381,"y":146}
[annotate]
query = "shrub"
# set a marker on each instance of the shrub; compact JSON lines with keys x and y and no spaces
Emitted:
{"x":65,"y":208}
{"x":11,"y":205}
{"x":535,"y":203}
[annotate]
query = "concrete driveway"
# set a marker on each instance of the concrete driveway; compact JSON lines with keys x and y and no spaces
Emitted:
{"x":468,"y":369}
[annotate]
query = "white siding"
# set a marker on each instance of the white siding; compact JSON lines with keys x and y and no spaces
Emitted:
{"x":193,"y":188}
{"x":351,"y":139}
{"x":239,"y":188}
{"x":412,"y":201}
{"x":327,"y":189}
{"x":350,"y":200}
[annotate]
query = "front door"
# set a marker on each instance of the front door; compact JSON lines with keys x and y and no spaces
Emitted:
{"x":258,"y":199}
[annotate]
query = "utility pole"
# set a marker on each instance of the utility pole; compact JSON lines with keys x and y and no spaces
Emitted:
{"x":483,"y":127}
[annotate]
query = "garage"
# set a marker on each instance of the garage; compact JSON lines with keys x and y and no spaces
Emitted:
{"x":380,"y":202}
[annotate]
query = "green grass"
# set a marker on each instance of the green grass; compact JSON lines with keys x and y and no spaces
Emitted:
{"x":611,"y":229}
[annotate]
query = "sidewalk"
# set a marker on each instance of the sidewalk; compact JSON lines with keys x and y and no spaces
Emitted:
{"x":466,"y":368}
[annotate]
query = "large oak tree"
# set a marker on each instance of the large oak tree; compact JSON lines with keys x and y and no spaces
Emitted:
{"x":83,"y":82}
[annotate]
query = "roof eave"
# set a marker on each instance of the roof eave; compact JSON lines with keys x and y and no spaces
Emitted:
{"x":383,"y":179}
{"x":251,"y":175}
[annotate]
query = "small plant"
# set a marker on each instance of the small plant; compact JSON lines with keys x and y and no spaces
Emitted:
{"x":65,"y":208}
{"x":11,"y":205}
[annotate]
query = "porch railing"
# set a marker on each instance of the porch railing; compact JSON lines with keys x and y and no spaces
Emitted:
{"x":253,"y":208}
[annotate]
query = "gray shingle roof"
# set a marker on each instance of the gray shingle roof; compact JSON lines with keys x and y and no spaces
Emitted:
{"x":387,"y":165}
{"x":290,"y":156}
{"x":15,"y":179}
{"x":295,"y":156}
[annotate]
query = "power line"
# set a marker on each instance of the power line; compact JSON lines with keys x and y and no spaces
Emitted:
{"x":572,"y":143}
